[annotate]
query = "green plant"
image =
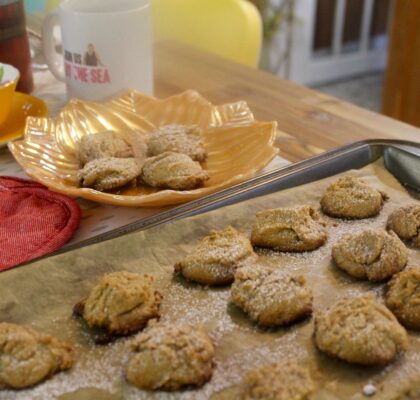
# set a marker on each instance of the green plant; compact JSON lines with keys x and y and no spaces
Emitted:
{"x":1,"y":73}
{"x":276,"y":15}
{"x":272,"y":16}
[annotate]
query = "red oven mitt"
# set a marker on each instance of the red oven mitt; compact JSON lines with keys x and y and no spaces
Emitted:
{"x":33,"y":221}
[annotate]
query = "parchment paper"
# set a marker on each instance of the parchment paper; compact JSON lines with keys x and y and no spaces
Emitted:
{"x":43,"y":293}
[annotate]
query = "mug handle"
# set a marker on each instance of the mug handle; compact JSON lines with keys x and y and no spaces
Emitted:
{"x":52,"y":57}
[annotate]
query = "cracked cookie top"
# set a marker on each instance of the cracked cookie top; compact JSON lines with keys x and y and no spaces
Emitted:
{"x":405,"y":222}
{"x":280,"y":381}
{"x":289,"y":229}
{"x":126,"y":144}
{"x":109,"y":173}
{"x":361,"y":331}
{"x":122,"y":302}
{"x":403,"y":297}
{"x":371,"y":254}
{"x":216,"y":257}
{"x":184,"y":139}
{"x":350,"y":197}
{"x":270,"y":296}
{"x":170,"y":357}
{"x":27,"y":356}
{"x":173,"y":171}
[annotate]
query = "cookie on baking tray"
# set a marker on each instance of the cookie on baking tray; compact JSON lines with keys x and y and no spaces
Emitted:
{"x":405,"y":222}
{"x":289,"y":229}
{"x":170,"y":357}
{"x":185,"y":139}
{"x":280,"y":381}
{"x":374,"y":255}
{"x":173,"y":171}
{"x":271,"y":297}
{"x":109,"y":173}
{"x":216,"y":257}
{"x":408,"y":391}
{"x":350,"y":197}
{"x":403,"y":297}
{"x":27,"y":356}
{"x":360,"y":331}
{"x":121,"y":303}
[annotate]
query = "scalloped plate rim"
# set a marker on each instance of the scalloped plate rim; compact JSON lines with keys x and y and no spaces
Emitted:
{"x":161,"y":197}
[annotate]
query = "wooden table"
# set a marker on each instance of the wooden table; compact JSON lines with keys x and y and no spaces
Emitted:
{"x":310,"y":122}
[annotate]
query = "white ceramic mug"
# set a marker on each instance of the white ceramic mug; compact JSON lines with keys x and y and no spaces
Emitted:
{"x":107,"y":47}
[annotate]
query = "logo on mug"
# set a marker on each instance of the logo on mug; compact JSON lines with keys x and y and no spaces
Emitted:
{"x":87,"y":68}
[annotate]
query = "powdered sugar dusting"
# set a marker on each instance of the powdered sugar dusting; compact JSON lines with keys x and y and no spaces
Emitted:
{"x":95,"y":367}
{"x":240,"y":344}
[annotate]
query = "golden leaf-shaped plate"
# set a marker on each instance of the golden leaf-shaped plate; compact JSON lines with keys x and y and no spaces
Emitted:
{"x":188,"y":108}
{"x":237,"y":145}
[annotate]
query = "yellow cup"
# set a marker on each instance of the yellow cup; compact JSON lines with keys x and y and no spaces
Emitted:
{"x":8,"y":81}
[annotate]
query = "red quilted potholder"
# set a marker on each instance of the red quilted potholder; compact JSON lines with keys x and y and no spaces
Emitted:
{"x":33,"y":221}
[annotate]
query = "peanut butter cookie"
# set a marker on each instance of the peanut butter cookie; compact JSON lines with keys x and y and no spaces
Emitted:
{"x":350,"y":197}
{"x":170,"y":357}
{"x":121,"y":303}
{"x":173,"y":171}
{"x":109,"y":173}
{"x":216,"y":257}
{"x":126,"y":144}
{"x":271,"y":297}
{"x":137,"y":144}
{"x":185,"y":139}
{"x":102,"y":145}
{"x":403,"y":297}
{"x":360,"y":331}
{"x":405,"y":222}
{"x":281,"y":381}
{"x":370,"y":254}
{"x":289,"y":229}
{"x":27,"y":357}
{"x":408,"y":391}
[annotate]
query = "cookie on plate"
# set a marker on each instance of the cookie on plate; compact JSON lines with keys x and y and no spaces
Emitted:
{"x":280,"y":381}
{"x":185,"y":139}
{"x":137,"y":143}
{"x":405,"y":222}
{"x":289,"y":229}
{"x":109,"y":173}
{"x":350,"y":197}
{"x":216,"y":257}
{"x":374,"y":255}
{"x":170,"y":357}
{"x":173,"y":171}
{"x":403,"y":297}
{"x":121,"y":303}
{"x":27,"y":356}
{"x":102,"y":145}
{"x":360,"y":331}
{"x":271,"y":297}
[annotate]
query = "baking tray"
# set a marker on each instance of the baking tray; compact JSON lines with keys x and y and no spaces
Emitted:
{"x":44,"y":293}
{"x":402,"y":159}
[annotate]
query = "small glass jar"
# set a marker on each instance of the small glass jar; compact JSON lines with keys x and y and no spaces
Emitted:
{"x":14,"y":43}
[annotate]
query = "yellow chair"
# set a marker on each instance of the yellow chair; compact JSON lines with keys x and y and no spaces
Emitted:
{"x":52,"y":4}
{"x":229,"y":28}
